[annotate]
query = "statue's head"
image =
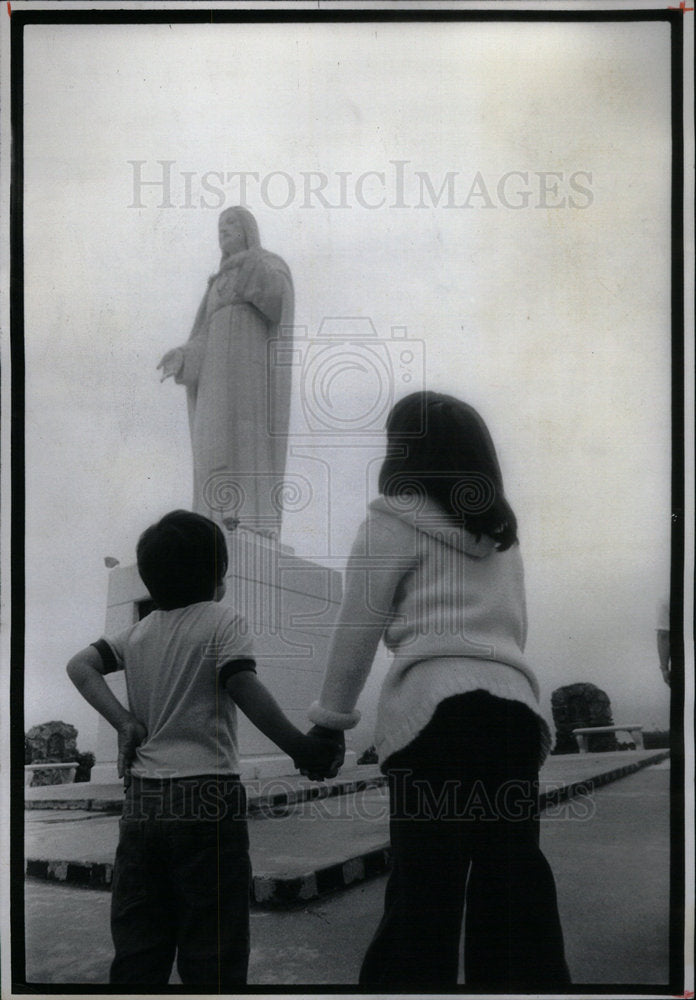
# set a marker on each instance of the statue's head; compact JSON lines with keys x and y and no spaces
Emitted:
{"x":237,"y":230}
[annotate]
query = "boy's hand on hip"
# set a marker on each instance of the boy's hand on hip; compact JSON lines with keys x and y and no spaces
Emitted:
{"x":131,"y":734}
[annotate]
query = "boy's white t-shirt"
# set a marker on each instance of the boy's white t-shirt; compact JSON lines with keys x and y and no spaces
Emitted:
{"x":176,"y":663}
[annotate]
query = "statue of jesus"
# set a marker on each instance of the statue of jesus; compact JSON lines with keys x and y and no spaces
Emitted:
{"x":238,"y":397}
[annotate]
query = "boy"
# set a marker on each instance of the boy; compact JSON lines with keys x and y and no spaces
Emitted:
{"x":182,"y":874}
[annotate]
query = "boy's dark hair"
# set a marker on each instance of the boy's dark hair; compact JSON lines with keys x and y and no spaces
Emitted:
{"x":438,"y":446}
{"x":182,"y":559}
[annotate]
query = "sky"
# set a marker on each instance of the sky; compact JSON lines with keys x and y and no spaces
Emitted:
{"x":493,"y":199}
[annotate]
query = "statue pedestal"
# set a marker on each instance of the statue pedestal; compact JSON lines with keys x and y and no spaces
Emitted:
{"x":290,"y":605}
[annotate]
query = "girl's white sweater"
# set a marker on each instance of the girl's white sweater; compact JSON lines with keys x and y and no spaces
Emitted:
{"x":450,"y":608}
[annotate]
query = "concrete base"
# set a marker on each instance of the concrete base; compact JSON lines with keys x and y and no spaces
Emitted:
{"x":290,"y":605}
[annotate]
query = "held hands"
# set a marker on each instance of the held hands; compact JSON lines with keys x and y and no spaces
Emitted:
{"x":171,"y":363}
{"x":131,"y":734}
{"x":322,"y":755}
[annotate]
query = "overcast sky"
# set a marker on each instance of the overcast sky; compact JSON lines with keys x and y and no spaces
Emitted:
{"x":499,"y":192}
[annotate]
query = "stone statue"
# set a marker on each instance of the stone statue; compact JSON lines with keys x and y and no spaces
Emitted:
{"x":238,"y":396}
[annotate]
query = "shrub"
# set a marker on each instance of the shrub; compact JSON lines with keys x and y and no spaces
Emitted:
{"x":85,"y":763}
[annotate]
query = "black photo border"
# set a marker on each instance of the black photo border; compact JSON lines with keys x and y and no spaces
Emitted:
{"x":22,"y":17}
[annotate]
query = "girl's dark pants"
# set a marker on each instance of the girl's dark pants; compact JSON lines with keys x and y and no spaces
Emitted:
{"x":181,"y":884}
{"x":464,"y":824}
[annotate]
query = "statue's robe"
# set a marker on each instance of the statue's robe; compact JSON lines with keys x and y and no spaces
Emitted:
{"x":238,"y":387}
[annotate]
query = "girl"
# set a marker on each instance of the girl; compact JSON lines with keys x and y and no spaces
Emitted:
{"x":436,"y":571}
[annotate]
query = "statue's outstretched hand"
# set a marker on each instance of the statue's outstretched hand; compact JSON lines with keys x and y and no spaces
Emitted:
{"x":171,"y":363}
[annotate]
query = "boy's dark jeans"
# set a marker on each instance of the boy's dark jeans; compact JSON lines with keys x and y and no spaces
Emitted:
{"x":181,"y":883}
{"x":464,"y":824}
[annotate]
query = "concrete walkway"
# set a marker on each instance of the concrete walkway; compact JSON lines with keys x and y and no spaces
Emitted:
{"x":264,"y":795}
{"x":610,"y":861}
{"x":307,"y":839}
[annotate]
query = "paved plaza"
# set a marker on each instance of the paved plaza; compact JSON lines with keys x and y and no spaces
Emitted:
{"x":609,"y":851}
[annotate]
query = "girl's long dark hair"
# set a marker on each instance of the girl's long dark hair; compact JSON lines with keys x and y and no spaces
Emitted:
{"x":439,"y":447}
